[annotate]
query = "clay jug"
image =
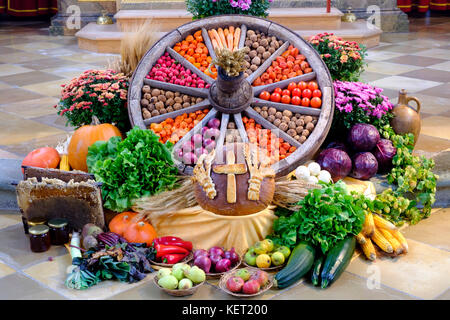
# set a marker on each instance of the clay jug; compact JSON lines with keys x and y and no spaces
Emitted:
{"x":406,"y":119}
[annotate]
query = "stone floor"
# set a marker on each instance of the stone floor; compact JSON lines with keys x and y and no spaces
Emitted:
{"x":33,"y":65}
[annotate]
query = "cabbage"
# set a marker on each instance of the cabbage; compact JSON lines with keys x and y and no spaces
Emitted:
{"x":384,"y":152}
{"x":363,"y":137}
{"x":337,"y":145}
{"x":336,"y":162}
{"x":365,"y":166}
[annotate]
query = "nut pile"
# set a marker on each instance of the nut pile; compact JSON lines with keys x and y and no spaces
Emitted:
{"x":296,"y":125}
{"x":258,"y":48}
{"x":155,"y":101}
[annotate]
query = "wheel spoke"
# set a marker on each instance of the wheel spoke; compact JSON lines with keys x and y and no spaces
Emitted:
{"x":243,"y":35}
{"x":208,"y":43}
{"x":196,"y":92}
{"x":241,"y":127}
{"x":223,"y":131}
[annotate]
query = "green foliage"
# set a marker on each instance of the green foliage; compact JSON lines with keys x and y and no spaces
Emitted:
{"x":137,"y":166}
{"x":206,"y":8}
{"x":327,"y":216}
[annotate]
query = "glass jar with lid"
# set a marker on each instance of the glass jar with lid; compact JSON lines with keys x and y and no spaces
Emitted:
{"x":39,"y":238}
{"x":59,"y":231}
{"x":28,"y":223}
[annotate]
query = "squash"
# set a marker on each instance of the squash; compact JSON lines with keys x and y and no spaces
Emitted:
{"x":120,"y":223}
{"x":140,"y":232}
{"x":45,"y":157}
{"x":84,"y":137}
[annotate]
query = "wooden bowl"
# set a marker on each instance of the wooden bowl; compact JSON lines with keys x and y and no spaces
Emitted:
{"x":178,"y":292}
{"x":274,"y":268}
{"x":217,"y":275}
{"x":226,"y":276}
{"x":160,"y":265}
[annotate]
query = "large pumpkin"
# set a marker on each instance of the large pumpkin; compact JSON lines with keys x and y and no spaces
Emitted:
{"x":120,"y":223}
{"x":42,"y":158}
{"x":84,"y":137}
{"x":140,"y":232}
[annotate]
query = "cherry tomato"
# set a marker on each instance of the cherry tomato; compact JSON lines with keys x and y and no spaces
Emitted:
{"x":277,"y":90}
{"x":286,"y":92}
{"x":317,"y":93}
{"x":285,"y":99}
{"x":296,"y":100}
{"x":296,"y":92}
{"x":275,"y":97}
{"x":312,"y":85}
{"x":265,"y":95}
{"x":305,"y":102}
{"x":302,"y":85}
{"x":306,"y":93}
{"x":292,"y":86}
{"x":316,"y":102}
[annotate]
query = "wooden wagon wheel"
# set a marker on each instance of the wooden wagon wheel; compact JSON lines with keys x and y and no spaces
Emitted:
{"x":226,"y":110}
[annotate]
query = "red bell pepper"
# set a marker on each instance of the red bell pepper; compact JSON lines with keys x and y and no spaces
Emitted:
{"x":173,"y":258}
{"x":173,"y":241}
{"x":166,"y":239}
{"x":162,"y":250}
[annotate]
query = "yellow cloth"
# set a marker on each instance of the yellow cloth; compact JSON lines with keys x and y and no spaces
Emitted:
{"x":206,"y":229}
{"x":365,"y":187}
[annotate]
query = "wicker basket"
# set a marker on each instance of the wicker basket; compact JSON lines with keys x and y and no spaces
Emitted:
{"x":275,"y":268}
{"x":178,"y":292}
{"x":217,"y":275}
{"x":228,"y":275}
{"x":159,"y":265}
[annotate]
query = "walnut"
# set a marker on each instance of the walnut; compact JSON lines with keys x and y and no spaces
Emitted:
{"x":252,"y":54}
{"x":266,"y":55}
{"x":305,"y":133}
{"x":308,"y":119}
{"x":169,"y":109}
{"x":309,"y":126}
{"x":177,"y":106}
{"x":178,"y":100}
{"x":247,"y":58}
{"x":198,"y":100}
{"x":292,"y":125}
{"x":151,"y":107}
{"x":302,"y":139}
{"x":255,"y":45}
{"x":186,"y":98}
{"x":314,"y":122}
{"x":159,"y":105}
{"x":155,"y":113}
{"x":163,"y":111}
{"x":265,"y":108}
{"x":277,"y":122}
{"x":170,"y":102}
{"x":162,"y":98}
{"x":256,"y":61}
{"x":253,"y":67}
{"x":271,"y":118}
{"x":148,"y":96}
{"x":264,"y":42}
{"x":271,"y":50}
{"x":177,"y":94}
{"x":260,"y":49}
{"x":146,"y":89}
{"x":146,"y":114}
{"x":300,"y":123}
{"x":292,"y":132}
{"x":299,"y":130}
{"x":186,"y":105}
{"x":248,"y":43}
{"x":169,"y":94}
{"x":258,"y":109}
{"x":253,"y":38}
{"x":298,"y":115}
{"x":264,"y":114}
{"x":287,"y":113}
{"x":272,"y":110}
{"x":285,"y":119}
{"x":144,"y":102}
{"x":156,"y":92}
{"x":246,"y":64}
{"x":283,"y":126}
{"x":250,"y":32}
{"x":297,"y":137}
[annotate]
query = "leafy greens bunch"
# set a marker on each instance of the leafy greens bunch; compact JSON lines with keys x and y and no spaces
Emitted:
{"x":131,"y":168}
{"x":327,"y":216}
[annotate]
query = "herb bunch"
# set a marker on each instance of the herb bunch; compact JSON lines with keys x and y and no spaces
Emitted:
{"x":232,"y":62}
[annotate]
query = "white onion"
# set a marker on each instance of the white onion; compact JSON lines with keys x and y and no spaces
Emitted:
{"x":314,"y":168}
{"x":324,"y":176}
{"x":312,"y":179}
{"x":302,"y":172}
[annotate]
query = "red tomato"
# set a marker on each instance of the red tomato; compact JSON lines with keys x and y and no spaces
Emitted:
{"x":302,"y":85}
{"x":286,"y":92}
{"x":306,"y":93}
{"x":285,"y":99}
{"x":296,"y":92}
{"x":296,"y":100}
{"x":265,"y":95}
{"x":275,"y":97}
{"x":292,"y":86}
{"x":316,"y":102}
{"x":312,"y":85}
{"x":317,"y":93}
{"x":305,"y":102}
{"x":277,"y":90}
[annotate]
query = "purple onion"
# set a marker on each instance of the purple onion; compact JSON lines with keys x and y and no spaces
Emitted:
{"x":216,"y":251}
{"x":204,"y":130}
{"x":189,"y":158}
{"x":232,"y":256}
{"x":214,"y":123}
{"x":197,"y":139}
{"x":178,"y":154}
{"x":200,"y":252}
{"x":215,"y":259}
{"x":223,"y":265}
{"x":203,"y":262}
{"x":209,"y":144}
{"x":199,"y":151}
{"x":187,"y":146}
{"x":212,"y":133}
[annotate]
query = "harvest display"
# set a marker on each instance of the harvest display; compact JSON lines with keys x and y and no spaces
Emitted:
{"x":230,"y":118}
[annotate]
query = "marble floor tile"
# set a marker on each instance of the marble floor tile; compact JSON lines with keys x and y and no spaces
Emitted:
{"x":88,"y":57}
{"x":368,"y":76}
{"x":436,"y":126}
{"x":382,"y":55}
{"x":17,"y":94}
{"x":434,"y":53}
{"x":413,"y":60}
{"x":54,"y":120}
{"x":44,"y":63}
{"x":7,"y":50}
{"x":9,"y":218}
{"x":423,"y":43}
{"x":421,"y":273}
{"x":8,"y":155}
{"x":24,"y":147}
{"x":5,"y":270}
{"x":388,"y":68}
{"x":36,"y":46}
{"x":21,"y":287}
{"x":411,"y":85}
{"x":10,"y":69}
{"x":430,"y":104}
{"x":31,"y":108}
{"x":431,"y":144}
{"x":19,"y":57}
{"x":14,"y":129}
{"x":29,"y":78}
{"x":444,"y":66}
{"x":428,"y":74}
{"x":49,"y":88}
{"x":70,"y":71}
{"x":4,"y":85}
{"x":442,"y":90}
{"x":401,"y":49}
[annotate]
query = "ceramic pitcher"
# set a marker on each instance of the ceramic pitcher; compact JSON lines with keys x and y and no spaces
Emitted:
{"x":406,"y":118}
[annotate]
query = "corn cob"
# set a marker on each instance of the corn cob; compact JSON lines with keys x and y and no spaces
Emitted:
{"x":381,"y":241}
{"x":369,"y":250}
{"x":382,"y":223}
{"x":396,"y":245}
{"x":400,"y":238}
{"x":369,"y":225}
{"x":360,"y":238}
{"x":64,"y":163}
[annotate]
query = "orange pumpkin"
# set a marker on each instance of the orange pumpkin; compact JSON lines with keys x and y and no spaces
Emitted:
{"x":121,"y":222}
{"x":140,"y":232}
{"x":42,"y":158}
{"x":84,"y":137}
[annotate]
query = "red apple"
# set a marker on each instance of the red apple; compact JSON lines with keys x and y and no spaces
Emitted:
{"x":251,"y":287}
{"x":235,"y":284}
{"x":261,"y":276}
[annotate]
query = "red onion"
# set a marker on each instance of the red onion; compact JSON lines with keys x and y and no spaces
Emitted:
{"x":214,"y":123}
{"x":187,"y":146}
{"x":199,"y":151}
{"x":215,"y":258}
{"x":232,"y":256}
{"x":200,"y":252}
{"x":223,"y":265}
{"x":203,"y":262}
{"x":216,"y":251}
{"x":197,"y":139}
{"x":189,"y":158}
{"x":212,"y":133}
{"x":209,"y":144}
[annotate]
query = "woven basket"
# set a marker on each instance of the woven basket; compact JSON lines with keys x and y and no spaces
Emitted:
{"x":228,"y":275}
{"x":275,"y":268}
{"x":217,"y":275}
{"x":160,"y":265}
{"x":178,"y":292}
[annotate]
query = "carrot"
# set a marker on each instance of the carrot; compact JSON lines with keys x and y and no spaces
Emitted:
{"x":216,"y":36}
{"x":226,"y":32}
{"x":237,"y":36}
{"x":231,"y":28}
{"x":214,"y":44}
{"x":230,"y":42}
{"x":222,"y":37}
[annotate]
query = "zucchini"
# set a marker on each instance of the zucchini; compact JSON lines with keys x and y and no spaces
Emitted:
{"x":315,"y":271}
{"x":337,"y":260}
{"x":299,"y":263}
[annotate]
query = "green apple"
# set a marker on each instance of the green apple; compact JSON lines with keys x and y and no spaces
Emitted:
{"x":168,"y":282}
{"x":268,"y":244}
{"x":185,"y":284}
{"x":285,"y":251}
{"x":250,"y":258}
{"x":278,"y":258}
{"x":243,"y":273}
{"x":196,"y":275}
{"x":163,"y":272}
{"x":260,"y":247}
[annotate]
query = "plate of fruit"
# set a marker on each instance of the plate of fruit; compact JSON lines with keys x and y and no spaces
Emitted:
{"x":216,"y":261}
{"x":246,"y":282}
{"x":267,"y":256}
{"x":180,"y":280}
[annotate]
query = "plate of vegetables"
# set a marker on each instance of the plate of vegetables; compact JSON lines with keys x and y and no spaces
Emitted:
{"x":216,"y":261}
{"x":171,"y":250}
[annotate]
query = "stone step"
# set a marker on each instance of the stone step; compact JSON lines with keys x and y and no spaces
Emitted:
{"x":294,"y":18}
{"x":106,"y":38}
